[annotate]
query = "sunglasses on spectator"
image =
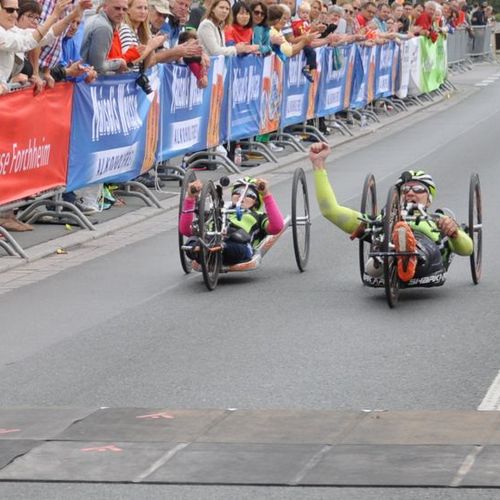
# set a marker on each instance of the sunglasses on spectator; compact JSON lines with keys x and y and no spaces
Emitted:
{"x":248,"y":194}
{"x":122,"y":9}
{"x":348,"y":11}
{"x":258,"y":12}
{"x":416,"y":188}
{"x":356,"y":8}
{"x":10,"y":10}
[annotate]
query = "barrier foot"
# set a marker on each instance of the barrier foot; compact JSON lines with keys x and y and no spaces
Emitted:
{"x":62,"y":212}
{"x":176,"y":172}
{"x":339,"y":125}
{"x":10,"y":245}
{"x":138,"y":190}
{"x":258,"y":147}
{"x":212,"y":159}
{"x":399,"y":103}
{"x":309,"y":130}
{"x":371,"y":115}
{"x":288,"y":139}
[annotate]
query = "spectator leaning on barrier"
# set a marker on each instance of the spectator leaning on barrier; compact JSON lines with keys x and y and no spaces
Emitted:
{"x":240,"y":30}
{"x":194,"y":63}
{"x":211,"y":32}
{"x":15,"y":40}
{"x":260,"y":29}
{"x":425,"y":22}
{"x":478,"y":17}
{"x":176,"y":20}
{"x":135,"y":33}
{"x":101,"y":41}
{"x":28,"y":17}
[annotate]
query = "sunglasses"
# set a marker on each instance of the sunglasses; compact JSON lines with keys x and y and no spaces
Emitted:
{"x":10,"y":10}
{"x":248,"y":194}
{"x":348,"y":11}
{"x":416,"y":188}
{"x":258,"y":12}
{"x":356,"y":8}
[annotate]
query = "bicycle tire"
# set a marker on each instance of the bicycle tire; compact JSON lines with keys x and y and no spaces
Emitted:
{"x":391,"y":216}
{"x":209,"y":229}
{"x":301,"y":218}
{"x":368,"y":206}
{"x":475,"y":227}
{"x":186,"y":264}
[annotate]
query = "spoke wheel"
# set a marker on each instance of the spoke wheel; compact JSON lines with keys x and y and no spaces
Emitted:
{"x":189,"y":177}
{"x":475,"y":228}
{"x":369,"y":207}
{"x":301,"y":219}
{"x":209,"y":228}
{"x":391,"y":216}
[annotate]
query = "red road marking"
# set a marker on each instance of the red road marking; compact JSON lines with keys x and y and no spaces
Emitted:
{"x":154,"y":416}
{"x":6,"y":431}
{"x":110,"y":447}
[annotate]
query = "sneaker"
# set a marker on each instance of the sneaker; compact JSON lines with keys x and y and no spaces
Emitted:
{"x":307,"y":73}
{"x":275,"y":148}
{"x":404,"y":241}
{"x":84,"y":208}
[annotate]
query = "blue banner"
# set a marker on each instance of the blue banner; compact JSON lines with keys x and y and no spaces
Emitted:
{"x":384,"y":75}
{"x":113,"y":133}
{"x":295,"y":92}
{"x":336,"y":79}
{"x":192,"y":119}
{"x":364,"y":81}
{"x":245,"y":90}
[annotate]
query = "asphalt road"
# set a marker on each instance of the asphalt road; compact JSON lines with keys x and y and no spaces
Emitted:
{"x":129,"y":329}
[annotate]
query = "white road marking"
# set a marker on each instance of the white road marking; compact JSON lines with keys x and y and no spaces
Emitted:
{"x":492,"y":399}
{"x":466,"y":466}
{"x":160,"y":462}
{"x":481,"y":84}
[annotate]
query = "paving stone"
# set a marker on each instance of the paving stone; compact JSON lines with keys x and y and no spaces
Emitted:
{"x":282,"y":426}
{"x":387,"y":465}
{"x":425,"y":427}
{"x":232,"y":463}
{"x":10,"y":449}
{"x":486,"y":469}
{"x":142,"y":424}
{"x":86,"y":461}
{"x":38,"y":423}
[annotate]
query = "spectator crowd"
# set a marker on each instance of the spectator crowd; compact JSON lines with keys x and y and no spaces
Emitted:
{"x":45,"y":41}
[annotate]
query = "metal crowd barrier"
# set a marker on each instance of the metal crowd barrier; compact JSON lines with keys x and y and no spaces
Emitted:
{"x":480,"y":45}
{"x":457,"y":48}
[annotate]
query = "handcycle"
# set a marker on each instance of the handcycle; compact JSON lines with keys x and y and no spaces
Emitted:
{"x":377,"y":229}
{"x":211,"y":224}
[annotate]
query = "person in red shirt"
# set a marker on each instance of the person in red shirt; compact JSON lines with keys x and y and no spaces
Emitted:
{"x":425,"y":22}
{"x":240,"y":30}
{"x":368,"y":12}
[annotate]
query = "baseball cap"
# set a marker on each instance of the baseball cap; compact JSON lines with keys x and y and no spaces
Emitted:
{"x":161,"y":6}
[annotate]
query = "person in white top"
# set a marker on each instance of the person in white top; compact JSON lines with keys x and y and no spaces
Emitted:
{"x":14,"y":39}
{"x":211,"y":32}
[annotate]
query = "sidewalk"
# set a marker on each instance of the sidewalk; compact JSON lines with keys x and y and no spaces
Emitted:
{"x":47,"y":238}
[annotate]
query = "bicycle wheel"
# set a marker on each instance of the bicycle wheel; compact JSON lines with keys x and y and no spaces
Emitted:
{"x":189,"y":177}
{"x":369,"y":207}
{"x":301,"y":219}
{"x":209,"y":229}
{"x":391,"y":216}
{"x":475,"y":228}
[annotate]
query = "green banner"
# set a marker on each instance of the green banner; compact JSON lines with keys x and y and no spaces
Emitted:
{"x":433,"y":63}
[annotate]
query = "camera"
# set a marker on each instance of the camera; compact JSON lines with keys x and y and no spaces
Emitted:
{"x":143,"y":82}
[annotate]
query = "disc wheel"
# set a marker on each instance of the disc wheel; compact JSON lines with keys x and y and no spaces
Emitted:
{"x":301,"y":219}
{"x":369,"y":207}
{"x":391,"y":216}
{"x":189,"y":177}
{"x":475,"y":228}
{"x":209,"y":232}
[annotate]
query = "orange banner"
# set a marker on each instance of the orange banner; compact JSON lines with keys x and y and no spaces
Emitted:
{"x":34,"y":141}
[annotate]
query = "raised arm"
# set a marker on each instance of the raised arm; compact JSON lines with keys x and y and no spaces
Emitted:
{"x":345,"y":218}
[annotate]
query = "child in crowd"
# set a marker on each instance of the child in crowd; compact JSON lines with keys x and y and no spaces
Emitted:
{"x":241,"y":28}
{"x":194,"y":63}
{"x":301,"y":26}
